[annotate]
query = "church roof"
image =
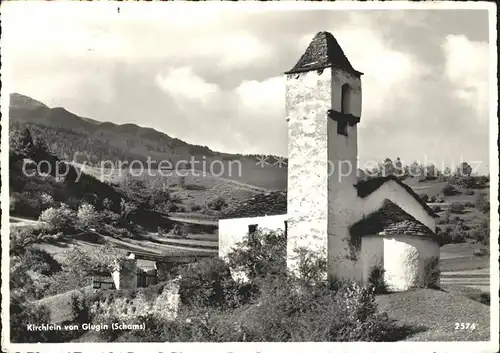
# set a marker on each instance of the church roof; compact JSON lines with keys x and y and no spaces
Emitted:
{"x":323,"y":51}
{"x":265,"y":204}
{"x":390,"y":219}
{"x":366,"y":187}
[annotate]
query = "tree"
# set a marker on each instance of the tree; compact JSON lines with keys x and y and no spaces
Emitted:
{"x":388,"y":167}
{"x":464,"y":170}
{"x":87,"y":216}
{"x":431,"y":171}
{"x":416,"y":170}
{"x":399,"y":170}
{"x":21,"y":141}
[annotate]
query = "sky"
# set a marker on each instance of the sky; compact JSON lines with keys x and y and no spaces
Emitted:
{"x":214,"y":76}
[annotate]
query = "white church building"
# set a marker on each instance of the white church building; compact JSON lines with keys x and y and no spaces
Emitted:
{"x":357,"y":225}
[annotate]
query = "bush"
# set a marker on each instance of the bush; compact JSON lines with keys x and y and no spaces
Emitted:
{"x":217,"y":204}
{"x":469,"y":192}
{"x":376,"y":279}
{"x":482,"y":203}
{"x":449,"y":190}
{"x":457,"y":207}
{"x":41,"y":261}
{"x":61,"y":218}
{"x":424,"y":197}
{"x":22,"y":314}
{"x":207,"y":283}
{"x":21,"y":237}
{"x":87,"y":217}
{"x":260,"y":254}
{"x":436,"y":208}
{"x":481,"y":232}
{"x":80,"y":308}
{"x":432,"y":273}
{"x":195,"y":208}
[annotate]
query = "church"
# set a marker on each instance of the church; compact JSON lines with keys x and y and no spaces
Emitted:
{"x":357,"y":225}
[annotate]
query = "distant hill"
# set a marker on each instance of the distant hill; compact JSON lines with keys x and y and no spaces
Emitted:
{"x":85,"y":140}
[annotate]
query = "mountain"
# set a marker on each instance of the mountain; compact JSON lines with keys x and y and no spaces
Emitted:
{"x":83,"y":139}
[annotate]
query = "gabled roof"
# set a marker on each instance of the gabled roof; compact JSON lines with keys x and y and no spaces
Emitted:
{"x":390,"y":219}
{"x":367,"y":187}
{"x":266,"y":204}
{"x":323,"y":51}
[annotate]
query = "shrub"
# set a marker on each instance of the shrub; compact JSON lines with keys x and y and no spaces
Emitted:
{"x":457,"y":207}
{"x":207,"y":283}
{"x":21,"y":237}
{"x":449,"y":190}
{"x":481,"y":232}
{"x":424,"y":197}
{"x":482,"y":203}
{"x":80,"y":308}
{"x":87,"y":217}
{"x":195,"y":208}
{"x":217,"y":204}
{"x":436,"y":209}
{"x":311,"y":268}
{"x":376,"y":279}
{"x":41,"y":261}
{"x":23,"y":313}
{"x":469,"y":192}
{"x":260,"y":254}
{"x":431,"y":273}
{"x":61,"y":218}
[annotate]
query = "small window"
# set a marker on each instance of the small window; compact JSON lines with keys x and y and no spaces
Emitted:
{"x":252,"y":228}
{"x":346,"y":99}
{"x":286,"y":229}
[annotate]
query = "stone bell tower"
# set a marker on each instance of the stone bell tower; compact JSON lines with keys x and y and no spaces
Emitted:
{"x":323,"y":107}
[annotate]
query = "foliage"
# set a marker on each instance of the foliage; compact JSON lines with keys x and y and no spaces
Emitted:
{"x":217,"y":204}
{"x":21,"y":237}
{"x":23,"y":313}
{"x":311,"y":267}
{"x":432,"y":273}
{"x":80,"y":308}
{"x":208,"y":283}
{"x":87,"y":216}
{"x":482,"y":203}
{"x":424,"y":197}
{"x":457,"y":207}
{"x":260,"y":254}
{"x":481,"y":232}
{"x":40,"y":261}
{"x":449,"y":190}
{"x":61,"y":218}
{"x":376,"y":279}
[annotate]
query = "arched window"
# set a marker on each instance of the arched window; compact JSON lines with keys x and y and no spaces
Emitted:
{"x":346,"y":99}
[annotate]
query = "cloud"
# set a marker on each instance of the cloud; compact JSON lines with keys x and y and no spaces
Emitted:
{"x":212,"y":77}
{"x":182,"y":83}
{"x":467,"y":67}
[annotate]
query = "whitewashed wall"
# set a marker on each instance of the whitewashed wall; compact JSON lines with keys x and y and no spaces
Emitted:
{"x":232,"y":231}
{"x":403,"y":258}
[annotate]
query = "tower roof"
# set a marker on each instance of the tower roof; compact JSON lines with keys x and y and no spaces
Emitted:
{"x":323,"y":51}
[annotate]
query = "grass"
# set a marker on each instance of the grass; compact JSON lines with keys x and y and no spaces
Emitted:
{"x":438,"y":311}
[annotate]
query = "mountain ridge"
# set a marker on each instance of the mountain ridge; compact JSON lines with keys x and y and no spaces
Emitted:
{"x":83,"y":139}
